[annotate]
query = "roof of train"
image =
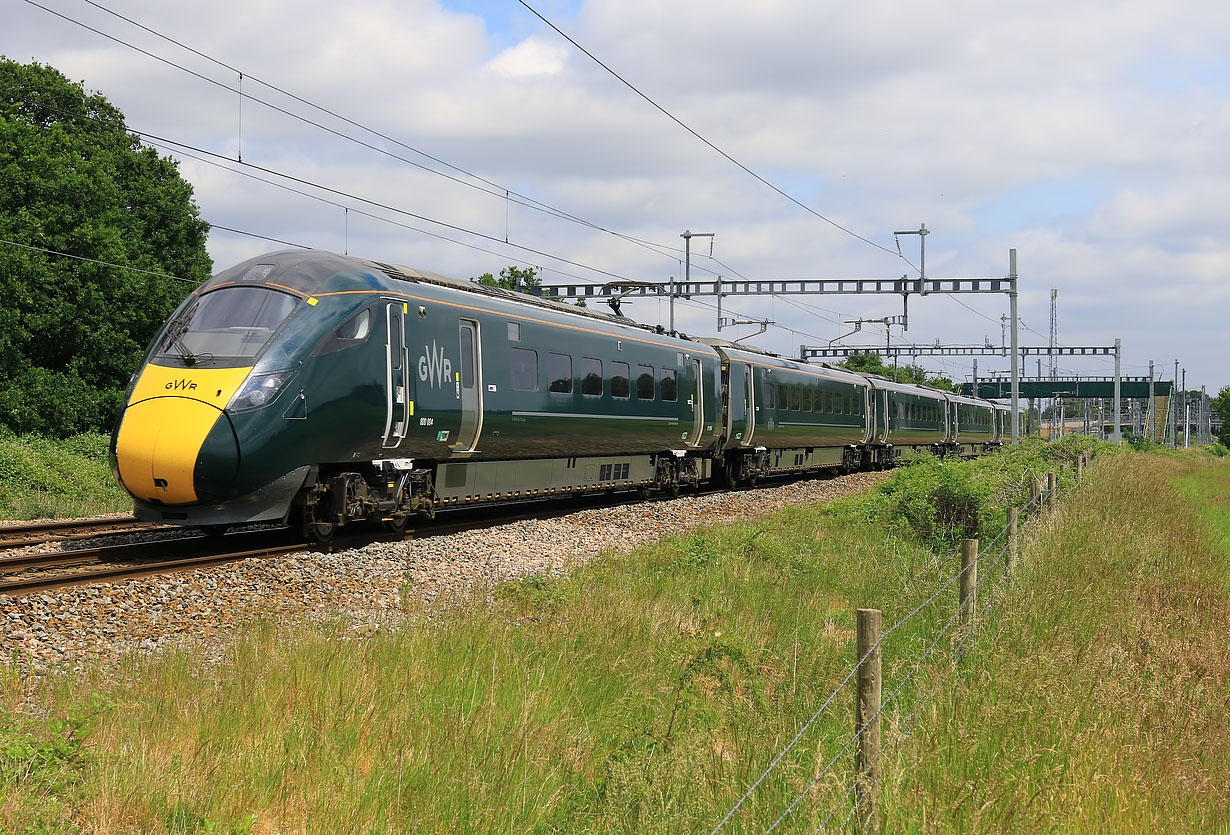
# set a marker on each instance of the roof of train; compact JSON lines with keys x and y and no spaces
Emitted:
{"x":306,"y":271}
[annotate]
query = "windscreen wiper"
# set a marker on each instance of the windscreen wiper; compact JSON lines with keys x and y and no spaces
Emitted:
{"x":174,"y":339}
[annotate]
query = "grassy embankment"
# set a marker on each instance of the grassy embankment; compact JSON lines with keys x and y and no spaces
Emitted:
{"x":43,"y":478}
{"x":1096,"y":700}
{"x":645,"y":692}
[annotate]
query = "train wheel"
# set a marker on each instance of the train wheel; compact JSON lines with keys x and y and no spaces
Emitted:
{"x":322,"y":531}
{"x":732,"y":475}
{"x":397,"y":525}
{"x":304,"y":517}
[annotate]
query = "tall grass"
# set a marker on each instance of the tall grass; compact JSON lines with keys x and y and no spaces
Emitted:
{"x":1095,"y":700}
{"x":645,"y":692}
{"x":52,"y":478}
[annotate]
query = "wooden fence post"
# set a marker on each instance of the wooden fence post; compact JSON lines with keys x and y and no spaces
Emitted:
{"x":969,"y":581}
{"x":1013,"y":545}
{"x":1052,"y":489}
{"x":867,"y":705}
{"x":1080,"y":467}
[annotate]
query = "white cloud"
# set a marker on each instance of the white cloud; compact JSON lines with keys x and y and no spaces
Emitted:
{"x":529,"y":58}
{"x":1091,"y":137}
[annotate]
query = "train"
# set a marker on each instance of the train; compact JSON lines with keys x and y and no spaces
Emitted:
{"x":321,"y":390}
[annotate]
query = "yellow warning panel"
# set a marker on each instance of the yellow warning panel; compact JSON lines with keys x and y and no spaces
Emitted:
{"x":158,"y":445}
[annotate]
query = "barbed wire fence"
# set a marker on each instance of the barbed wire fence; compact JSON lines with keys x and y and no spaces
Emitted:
{"x":859,"y":797}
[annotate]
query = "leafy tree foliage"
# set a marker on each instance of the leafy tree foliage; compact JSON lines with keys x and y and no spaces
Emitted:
{"x":1221,"y":405}
{"x":914,"y":374}
{"x":511,"y":278}
{"x":73,"y":180}
{"x":516,"y":279}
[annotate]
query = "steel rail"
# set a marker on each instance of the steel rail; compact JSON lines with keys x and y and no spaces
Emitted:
{"x":148,"y":558}
{"x":16,"y":588}
{"x":17,"y":536}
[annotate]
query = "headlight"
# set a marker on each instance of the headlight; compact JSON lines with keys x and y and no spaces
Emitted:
{"x":258,"y":390}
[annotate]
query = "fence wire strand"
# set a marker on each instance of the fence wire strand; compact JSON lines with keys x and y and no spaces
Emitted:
{"x":1028,"y":512}
{"x":903,"y":728}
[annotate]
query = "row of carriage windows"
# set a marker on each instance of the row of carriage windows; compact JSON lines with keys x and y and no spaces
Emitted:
{"x":811,"y":399}
{"x":934,"y":413}
{"x":975,"y":417}
{"x":595,"y":380}
{"x":923,"y":412}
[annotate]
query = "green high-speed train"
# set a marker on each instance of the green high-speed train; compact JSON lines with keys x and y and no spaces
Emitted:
{"x":323,"y":390}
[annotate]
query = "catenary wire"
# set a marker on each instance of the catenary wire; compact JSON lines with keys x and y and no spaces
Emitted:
{"x":177,"y":147}
{"x":97,"y":261}
{"x":712,"y":146}
{"x":499,"y":191}
{"x":338,"y":192}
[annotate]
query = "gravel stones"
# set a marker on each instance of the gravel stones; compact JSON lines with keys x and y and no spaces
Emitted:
{"x":366,"y":585}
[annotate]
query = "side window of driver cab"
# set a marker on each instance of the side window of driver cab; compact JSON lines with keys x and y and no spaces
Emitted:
{"x":357,"y":327}
{"x":352,"y":332}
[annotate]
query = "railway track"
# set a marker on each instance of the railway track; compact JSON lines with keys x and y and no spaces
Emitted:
{"x":33,"y":573}
{"x":17,"y":536}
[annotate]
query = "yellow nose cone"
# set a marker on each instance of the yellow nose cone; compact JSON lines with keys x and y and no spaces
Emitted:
{"x":169,"y":415}
{"x":158,"y":446}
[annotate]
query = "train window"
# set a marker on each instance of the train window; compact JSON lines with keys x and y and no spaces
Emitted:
{"x":828,"y":402}
{"x":467,"y":355}
{"x":356,"y":327}
{"x":523,"y":369}
{"x":559,"y":372}
{"x":770,"y":402}
{"x":807,"y":398}
{"x":350,"y":333}
{"x":668,"y":387}
{"x":591,"y":376}
{"x":795,"y":398}
{"x":621,"y":383}
{"x":230,"y":322}
{"x":395,"y":342}
{"x":514,"y":331}
{"x":644,"y":382}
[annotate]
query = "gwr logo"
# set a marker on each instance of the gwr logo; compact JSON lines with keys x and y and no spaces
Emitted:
{"x":181,"y":385}
{"x":434,"y":366}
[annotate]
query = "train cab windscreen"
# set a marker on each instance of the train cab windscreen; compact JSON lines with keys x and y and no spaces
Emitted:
{"x":232,"y":323}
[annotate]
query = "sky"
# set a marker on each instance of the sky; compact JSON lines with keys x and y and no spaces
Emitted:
{"x":1091,"y":137}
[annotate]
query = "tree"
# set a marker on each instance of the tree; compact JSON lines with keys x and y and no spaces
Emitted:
{"x":511,"y":278}
{"x":1221,"y":405}
{"x":73,"y":180}
{"x":914,"y":374}
{"x":516,"y":279}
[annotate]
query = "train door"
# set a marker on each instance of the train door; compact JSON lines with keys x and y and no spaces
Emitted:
{"x":697,"y":401}
{"x":884,"y":411}
{"x":751,"y":405}
{"x":735,"y":391}
{"x":397,"y":360}
{"x":471,"y":387}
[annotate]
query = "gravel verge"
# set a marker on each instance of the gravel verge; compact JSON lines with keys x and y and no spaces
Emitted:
{"x":367,"y":586}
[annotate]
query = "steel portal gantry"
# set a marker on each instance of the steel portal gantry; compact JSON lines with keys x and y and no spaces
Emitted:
{"x":903,"y":287}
